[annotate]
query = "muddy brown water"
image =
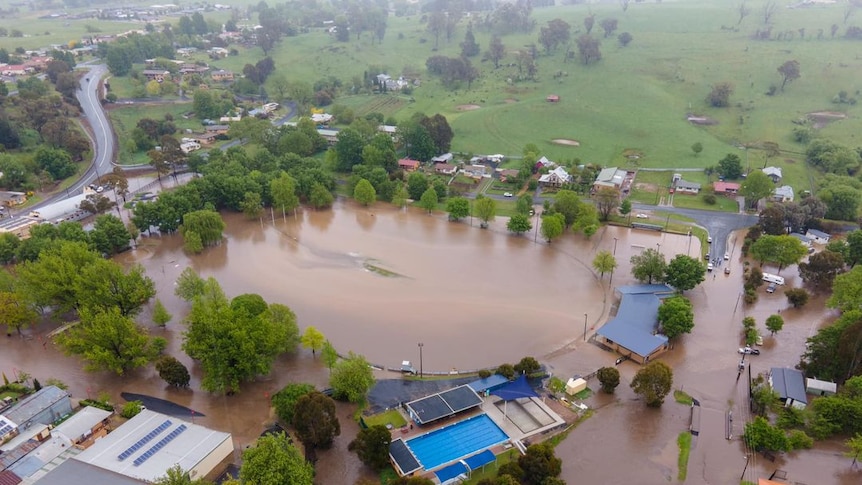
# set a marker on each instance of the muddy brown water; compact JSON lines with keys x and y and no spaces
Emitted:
{"x":379,"y":281}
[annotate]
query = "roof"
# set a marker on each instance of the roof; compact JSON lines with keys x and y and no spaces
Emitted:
{"x":9,"y":478}
{"x":785,"y":192}
{"x":559,"y":172}
{"x":403,"y":457}
{"x":407,"y":162}
{"x":443,"y":158}
{"x":448,"y":473}
{"x":545,"y":162}
{"x":155,"y":71}
{"x":82,"y":422}
{"x":134,"y":451}
{"x":801,"y":237}
{"x":821,"y":385}
{"x":29,"y":406}
{"x":446,"y":403}
{"x":773,"y":171}
{"x":684,"y":184}
{"x":85,"y":473}
{"x":636,"y":322}
{"x":611,"y":175}
{"x":789,"y":384}
{"x":820,"y":234}
{"x":725,"y":186}
{"x":516,"y":389}
{"x":480,"y":385}
{"x":444,"y":167}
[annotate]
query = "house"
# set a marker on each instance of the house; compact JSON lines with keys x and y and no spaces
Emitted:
{"x":726,"y":188}
{"x":222,"y":75}
{"x":804,"y":239}
{"x":206,"y":138}
{"x":476,"y":171}
{"x":790,"y":386}
{"x":686,"y":187}
{"x":783,"y":194}
{"x":544,"y":163}
{"x":190,"y":146}
{"x":818,"y":237}
{"x":44,"y":406}
{"x":390,"y":130}
{"x":774,"y":173}
{"x":16,"y":70}
{"x":444,"y":158}
{"x":193,"y":69}
{"x":552,"y":98}
{"x":217,"y":52}
{"x":409,"y":165}
{"x":555,"y":178}
{"x":816,"y":387}
{"x":321,"y":118}
{"x":610,"y":177}
{"x":11,"y":199}
{"x":85,"y":426}
{"x":507,"y":174}
{"x":158,"y":75}
{"x":331,"y":136}
{"x":217,"y":129}
{"x":445,"y":169}
{"x":633,"y":332}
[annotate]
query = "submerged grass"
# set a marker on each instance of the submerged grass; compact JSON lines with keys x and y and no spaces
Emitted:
{"x":682,"y":397}
{"x":684,"y":442}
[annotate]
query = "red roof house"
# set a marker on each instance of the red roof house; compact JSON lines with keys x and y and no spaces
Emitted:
{"x":726,"y":187}
{"x":408,"y":164}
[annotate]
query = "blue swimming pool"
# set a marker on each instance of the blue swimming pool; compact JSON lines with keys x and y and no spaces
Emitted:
{"x":456,"y":441}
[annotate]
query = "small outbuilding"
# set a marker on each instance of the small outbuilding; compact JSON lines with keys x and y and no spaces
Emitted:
{"x":816,"y":387}
{"x":553,"y":98}
{"x":818,"y":237}
{"x":575,"y":385}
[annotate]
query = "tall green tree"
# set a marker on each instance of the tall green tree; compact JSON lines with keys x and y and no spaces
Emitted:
{"x":821,"y":269}
{"x":104,"y":285}
{"x":110,"y":235}
{"x":552,"y":227}
{"x":15,"y":311}
{"x":173,"y":371}
{"x":781,"y":250}
{"x":428,"y":201}
{"x":604,"y":262}
{"x":329,"y":355}
{"x":52,"y":279}
{"x":207,"y":224}
{"x":176,"y":476}
{"x":684,"y":272}
{"x":855,"y":448}
{"x":371,"y":445}
{"x":730,"y":166}
{"x":762,"y":436}
{"x":653,"y":382}
{"x":539,"y":464}
{"x":676,"y":316}
{"x":568,"y":204}
{"x":774,"y":323}
{"x":320,"y":197}
{"x":649,"y":266}
{"x":108,"y":340}
{"x":519,"y":224}
{"x":364,"y":193}
{"x":755,"y":187}
{"x":315,"y":421}
{"x":283,"y":190}
{"x":351,"y":378}
{"x":313,"y":339}
{"x":273,"y":460}
{"x":189,"y":285}
{"x":486,"y":210}
{"x":609,"y":377}
{"x":161,"y":315}
{"x":284,"y":401}
{"x":458,"y":208}
{"x":834,"y":353}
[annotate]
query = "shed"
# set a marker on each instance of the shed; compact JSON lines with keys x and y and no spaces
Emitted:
{"x":816,"y":387}
{"x":43,"y":406}
{"x":819,"y":237}
{"x":574,"y":386}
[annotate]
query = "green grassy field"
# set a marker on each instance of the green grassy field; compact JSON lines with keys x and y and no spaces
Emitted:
{"x":125,"y":118}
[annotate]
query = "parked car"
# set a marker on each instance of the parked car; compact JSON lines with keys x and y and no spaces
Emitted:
{"x":748,"y":351}
{"x":706,"y":257}
{"x":726,"y":256}
{"x":759,"y":341}
{"x":507,"y":194}
{"x":709,"y":239}
{"x":642,"y":216}
{"x":710,"y":267}
{"x":771,"y":288}
{"x":727,"y":270}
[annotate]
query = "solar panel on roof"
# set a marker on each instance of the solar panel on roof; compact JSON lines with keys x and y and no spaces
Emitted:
{"x":161,"y":444}
{"x":146,"y":439}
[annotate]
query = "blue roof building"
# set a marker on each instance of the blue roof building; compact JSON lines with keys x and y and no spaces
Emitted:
{"x":633,"y":332}
{"x":790,"y":386}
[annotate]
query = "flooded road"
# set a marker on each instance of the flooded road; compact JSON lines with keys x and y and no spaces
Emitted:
{"x":379,"y":281}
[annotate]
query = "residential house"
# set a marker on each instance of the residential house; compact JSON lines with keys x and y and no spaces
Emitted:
{"x":818,"y":237}
{"x":783,"y":194}
{"x":217,"y":129}
{"x":726,"y":188}
{"x":16,"y":70}
{"x":816,"y":387}
{"x":390,"y":130}
{"x":686,"y":187}
{"x":790,"y":386}
{"x":159,"y":75}
{"x":555,"y":178}
{"x":444,"y":158}
{"x":217,"y":52}
{"x":544,"y":163}
{"x":806,"y":241}
{"x":222,"y":75}
{"x":321,"y":118}
{"x":508,"y":174}
{"x":190,"y":146}
{"x":611,"y":177}
{"x":206,"y":138}
{"x":331,"y":136}
{"x":774,"y":173}
{"x":476,"y":171}
{"x":11,"y":199}
{"x":409,"y":165}
{"x":633,"y":332}
{"x":44,"y":406}
{"x":445,"y":169}
{"x":193,"y":69}
{"x":85,"y":426}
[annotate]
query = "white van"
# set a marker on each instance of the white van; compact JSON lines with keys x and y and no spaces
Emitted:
{"x":771,"y":278}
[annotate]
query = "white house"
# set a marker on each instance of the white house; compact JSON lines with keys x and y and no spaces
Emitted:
{"x":687,"y":187}
{"x":555,"y":178}
{"x":818,"y":237}
{"x":610,"y":177}
{"x":816,"y":387}
{"x":806,"y":241}
{"x":783,"y":194}
{"x":774,"y":173}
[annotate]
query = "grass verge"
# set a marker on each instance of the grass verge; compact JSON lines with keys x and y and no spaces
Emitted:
{"x":682,"y":397}
{"x":684,"y":442}
{"x":392,"y":417}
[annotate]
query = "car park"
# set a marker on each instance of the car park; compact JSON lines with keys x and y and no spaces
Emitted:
{"x":748,"y":351}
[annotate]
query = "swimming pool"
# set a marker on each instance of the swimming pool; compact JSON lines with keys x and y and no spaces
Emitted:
{"x":456,"y":441}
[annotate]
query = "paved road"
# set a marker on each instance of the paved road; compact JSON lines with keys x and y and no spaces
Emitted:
{"x":718,"y":224}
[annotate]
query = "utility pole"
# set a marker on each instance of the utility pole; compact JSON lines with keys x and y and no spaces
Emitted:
{"x":421,"y":370}
{"x":585,"y":327}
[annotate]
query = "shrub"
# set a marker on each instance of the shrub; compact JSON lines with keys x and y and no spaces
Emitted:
{"x":609,"y":377}
{"x":132,"y":409}
{"x":797,"y":297}
{"x":97,"y":404}
{"x":798,"y":440}
{"x":750,"y":296}
{"x":528,"y":366}
{"x":709,"y":199}
{"x":484,"y":374}
{"x":507,"y":371}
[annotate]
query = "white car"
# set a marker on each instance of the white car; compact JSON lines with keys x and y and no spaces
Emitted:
{"x":726,"y":256}
{"x":748,"y":351}
{"x":507,"y":194}
{"x":710,"y":267}
{"x":642,"y":216}
{"x":709,"y":239}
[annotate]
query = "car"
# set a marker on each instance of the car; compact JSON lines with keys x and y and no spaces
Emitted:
{"x":726,"y":256}
{"x":748,"y":351}
{"x":727,"y":270}
{"x":507,"y":194}
{"x":709,"y":239}
{"x":710,"y":267}
{"x":100,"y":189}
{"x":759,"y":340}
{"x":642,"y":216}
{"x":771,"y":288}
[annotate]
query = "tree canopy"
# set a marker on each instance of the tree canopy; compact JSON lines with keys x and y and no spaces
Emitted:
{"x":684,"y":272}
{"x":273,"y":460}
{"x":653,"y":382}
{"x":649,"y":266}
{"x":372,"y":446}
{"x":604,"y":262}
{"x":315,"y":421}
{"x":351,"y":378}
{"x":676,"y":316}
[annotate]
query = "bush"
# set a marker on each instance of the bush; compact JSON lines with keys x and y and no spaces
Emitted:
{"x":507,"y":371}
{"x":710,"y":199}
{"x":97,"y":404}
{"x":797,"y":297}
{"x":527,"y":366}
{"x":750,"y":296}
{"x":609,"y":377}
{"x":484,"y":374}
{"x":798,"y":440}
{"x":132,"y":409}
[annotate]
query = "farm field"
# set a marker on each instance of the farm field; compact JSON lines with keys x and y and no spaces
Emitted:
{"x":125,"y":118}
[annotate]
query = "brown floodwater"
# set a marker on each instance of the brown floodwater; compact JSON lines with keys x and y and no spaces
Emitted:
{"x":379,"y":281}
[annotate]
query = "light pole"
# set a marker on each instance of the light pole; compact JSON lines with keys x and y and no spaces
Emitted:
{"x":420,"y":359}
{"x":585,"y":327}
{"x":615,"y":246}
{"x":658,"y":247}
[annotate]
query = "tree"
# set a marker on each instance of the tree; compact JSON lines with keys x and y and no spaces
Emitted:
{"x":458,"y":208}
{"x":552,"y":226}
{"x":854,"y":243}
{"x":351,"y":378}
{"x":251,"y":205}
{"x":653,"y":382}
{"x":719,"y":96}
{"x":417,"y":184}
{"x":364,"y":193}
{"x":697,"y":148}
{"x":554,"y":34}
{"x":51,"y":279}
{"x":486,"y":210}
{"x":797,"y":297}
{"x":789,"y":72}
{"x":320,"y":197}
{"x":275,"y":461}
{"x":105,"y":286}
{"x":834,"y":353}
{"x":756,"y":186}
{"x":781,"y":250}
{"x":609,"y":25}
{"x":284,"y":401}
{"x":855,"y":445}
{"x":607,"y":199}
{"x":313,"y":339}
{"x":847,"y":290}
{"x":684,"y":272}
{"x":55,"y":162}
{"x":568,"y":204}
{"x":496,"y":51}
{"x":315,"y":421}
{"x":469,"y":48}
{"x":649,"y":266}
{"x":625,"y":39}
{"x":96,"y":204}
{"x":428,"y":201}
{"x":821,"y":269}
{"x":604,"y":262}
{"x":173,"y":371}
{"x":372,"y":446}
{"x":589,"y":49}
{"x":676,"y":316}
{"x":109,"y":235}
{"x":329,"y":355}
{"x":626,"y":207}
{"x":774,"y":323}
{"x":730,"y":167}
{"x":519,"y":224}
{"x":189,"y":285}
{"x":399,"y":197}
{"x":609,"y":377}
{"x":539,"y":464}
{"x":762,"y":436}
{"x":108,"y":340}
{"x":207,"y":224}
{"x":527,"y":366}
{"x":161,"y":316}
{"x":176,"y":476}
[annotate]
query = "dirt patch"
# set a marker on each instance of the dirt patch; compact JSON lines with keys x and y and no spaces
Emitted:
{"x":467,"y":107}
{"x":701,"y":120}
{"x":820,"y":119}
{"x":646,"y":187}
{"x":510,"y":100}
{"x":567,"y":142}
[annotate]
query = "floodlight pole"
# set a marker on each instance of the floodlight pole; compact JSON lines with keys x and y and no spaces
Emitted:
{"x":615,"y":246}
{"x":585,"y":327}
{"x":420,"y":360}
